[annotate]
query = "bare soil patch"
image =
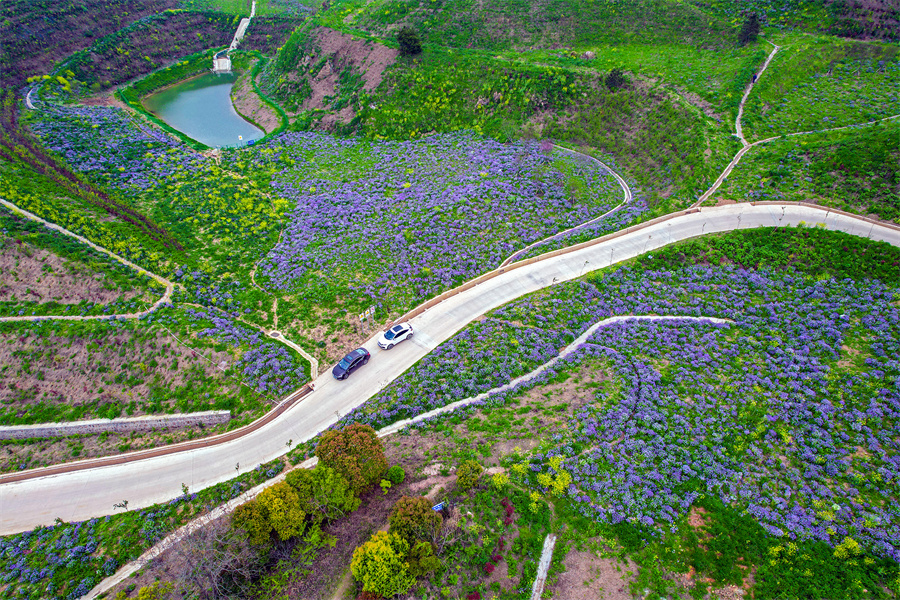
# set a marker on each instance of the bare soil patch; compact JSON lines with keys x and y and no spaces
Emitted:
{"x":588,"y":576}
{"x":30,"y":274}
{"x":334,"y":70}
{"x":73,"y":370}
{"x":248,"y":103}
{"x":17,"y":455}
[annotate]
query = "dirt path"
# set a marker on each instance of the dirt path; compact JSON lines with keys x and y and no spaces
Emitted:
{"x":170,"y":286}
{"x":739,"y":130}
{"x":746,"y":146}
{"x":626,"y":200}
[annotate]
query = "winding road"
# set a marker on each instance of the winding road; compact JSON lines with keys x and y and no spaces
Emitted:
{"x":85,"y":490}
{"x":85,"y":493}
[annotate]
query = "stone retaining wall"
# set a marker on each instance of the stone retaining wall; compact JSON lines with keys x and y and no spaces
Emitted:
{"x":147,"y":423}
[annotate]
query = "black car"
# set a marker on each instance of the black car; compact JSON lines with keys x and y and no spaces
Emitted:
{"x":350,"y":363}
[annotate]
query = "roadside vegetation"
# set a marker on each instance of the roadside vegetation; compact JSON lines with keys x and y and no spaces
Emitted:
{"x":806,"y":522}
{"x":412,"y":148}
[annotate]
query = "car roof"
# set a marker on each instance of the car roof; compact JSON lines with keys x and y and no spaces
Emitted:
{"x":400,"y":327}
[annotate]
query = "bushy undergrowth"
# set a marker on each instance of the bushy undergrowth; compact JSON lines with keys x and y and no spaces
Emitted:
{"x":856,"y":170}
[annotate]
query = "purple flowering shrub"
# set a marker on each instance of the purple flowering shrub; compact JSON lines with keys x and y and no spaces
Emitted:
{"x":111,"y":145}
{"x":267,"y":366}
{"x":483,"y":356}
{"x":413,"y":218}
{"x":789,"y":413}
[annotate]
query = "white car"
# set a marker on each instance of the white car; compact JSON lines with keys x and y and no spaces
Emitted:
{"x":395,"y":335}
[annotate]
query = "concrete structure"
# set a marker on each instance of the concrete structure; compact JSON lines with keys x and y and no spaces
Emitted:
{"x":92,"y":426}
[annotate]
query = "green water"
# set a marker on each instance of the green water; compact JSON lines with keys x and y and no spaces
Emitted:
{"x":201,"y":108}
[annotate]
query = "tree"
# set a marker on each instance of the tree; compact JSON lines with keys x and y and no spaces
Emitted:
{"x":253,"y":518}
{"x":356,"y":453}
{"x":324,"y":494}
{"x":421,"y":560}
{"x":380,"y":565}
{"x":215,"y":560}
{"x":468,"y":474}
{"x":414,"y":520}
{"x":409,"y":41}
{"x":282,"y":505}
{"x":395,"y":475}
{"x":749,"y":30}
{"x":277,"y":509}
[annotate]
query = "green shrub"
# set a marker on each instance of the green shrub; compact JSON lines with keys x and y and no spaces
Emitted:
{"x":324,"y":494}
{"x":749,"y":30}
{"x":413,"y":519}
{"x":468,"y":474}
{"x":409,"y":41}
{"x":380,"y":565}
{"x":395,"y":475}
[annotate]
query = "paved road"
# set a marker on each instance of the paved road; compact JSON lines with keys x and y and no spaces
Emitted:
{"x":91,"y":493}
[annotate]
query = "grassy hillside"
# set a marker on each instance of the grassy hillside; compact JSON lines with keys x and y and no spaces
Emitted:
{"x":856,"y":170}
{"x":817,"y":82}
{"x":503,"y":24}
{"x":37,"y":34}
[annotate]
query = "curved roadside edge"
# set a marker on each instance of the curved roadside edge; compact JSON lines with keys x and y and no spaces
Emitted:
{"x":308,"y":388}
{"x":626,"y":190}
{"x":220,"y":511}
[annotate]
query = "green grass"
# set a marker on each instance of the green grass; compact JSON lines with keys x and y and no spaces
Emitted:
{"x":506,"y":24}
{"x":263,"y":7}
{"x":857,"y":170}
{"x":717,"y":75}
{"x":819,"y":82}
{"x":674,"y":152}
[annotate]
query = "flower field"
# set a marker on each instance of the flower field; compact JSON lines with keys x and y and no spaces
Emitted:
{"x":787,"y":414}
{"x":406,"y":220}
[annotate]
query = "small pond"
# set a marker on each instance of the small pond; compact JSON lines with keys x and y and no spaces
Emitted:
{"x":201,"y":107}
